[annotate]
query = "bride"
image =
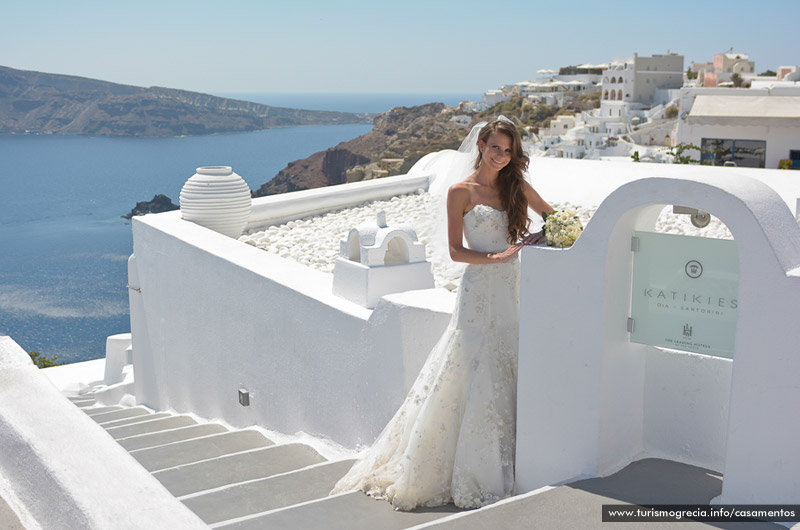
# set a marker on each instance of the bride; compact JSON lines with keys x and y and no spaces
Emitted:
{"x":453,"y":438}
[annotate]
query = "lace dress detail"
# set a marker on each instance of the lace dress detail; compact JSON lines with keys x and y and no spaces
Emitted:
{"x":453,"y":437}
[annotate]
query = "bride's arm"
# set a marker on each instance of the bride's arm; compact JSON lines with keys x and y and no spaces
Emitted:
{"x":457,"y":205}
{"x":535,"y":201}
{"x":538,"y":205}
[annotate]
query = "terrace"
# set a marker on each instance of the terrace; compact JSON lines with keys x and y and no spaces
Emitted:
{"x":246,"y":336}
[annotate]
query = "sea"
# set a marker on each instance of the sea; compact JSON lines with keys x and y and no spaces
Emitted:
{"x":64,"y":245}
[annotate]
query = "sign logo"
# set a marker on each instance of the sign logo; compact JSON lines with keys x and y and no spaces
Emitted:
{"x":687,"y":330}
{"x":693,"y":269}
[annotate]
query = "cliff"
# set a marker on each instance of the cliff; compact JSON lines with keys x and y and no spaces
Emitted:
{"x":34,"y":102}
{"x":400,"y":137}
{"x":397,"y":140}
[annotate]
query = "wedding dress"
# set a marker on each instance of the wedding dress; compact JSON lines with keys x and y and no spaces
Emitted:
{"x":453,"y":437}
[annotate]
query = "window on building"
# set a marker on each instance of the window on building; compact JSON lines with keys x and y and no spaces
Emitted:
{"x":744,"y":153}
{"x":794,"y":156}
{"x":619,"y":95}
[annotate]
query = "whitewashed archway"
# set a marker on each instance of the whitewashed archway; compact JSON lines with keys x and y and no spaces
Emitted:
{"x":582,"y":407}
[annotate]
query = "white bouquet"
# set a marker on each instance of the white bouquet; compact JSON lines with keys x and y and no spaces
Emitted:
{"x":562,"y":228}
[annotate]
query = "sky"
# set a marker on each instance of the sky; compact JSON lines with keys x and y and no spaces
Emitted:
{"x":414,"y":46}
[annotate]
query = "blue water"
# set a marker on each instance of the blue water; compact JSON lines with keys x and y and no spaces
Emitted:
{"x":63,"y":245}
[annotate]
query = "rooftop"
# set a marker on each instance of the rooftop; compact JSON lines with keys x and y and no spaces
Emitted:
{"x":719,"y":106}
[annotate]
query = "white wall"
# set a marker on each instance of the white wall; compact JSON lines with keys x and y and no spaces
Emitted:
{"x":590,"y":401}
{"x":686,"y":397}
{"x":664,"y":96}
{"x":215,"y":315}
{"x":779,"y":135}
{"x":560,"y":125}
{"x":661,"y":133}
{"x":62,"y":470}
{"x":780,"y":139}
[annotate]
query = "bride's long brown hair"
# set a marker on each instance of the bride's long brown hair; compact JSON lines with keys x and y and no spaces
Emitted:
{"x":510,"y":179}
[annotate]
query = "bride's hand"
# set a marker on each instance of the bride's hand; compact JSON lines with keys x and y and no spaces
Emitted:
{"x":510,"y":252}
{"x":534,"y":239}
{"x":507,"y":254}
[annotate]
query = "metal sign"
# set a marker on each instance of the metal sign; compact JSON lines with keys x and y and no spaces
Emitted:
{"x":685,"y":293}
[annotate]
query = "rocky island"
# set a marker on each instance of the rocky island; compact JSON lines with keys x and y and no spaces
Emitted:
{"x":41,"y":103}
{"x":160,"y":203}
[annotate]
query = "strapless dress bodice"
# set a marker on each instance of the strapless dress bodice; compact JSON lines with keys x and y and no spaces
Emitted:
{"x":486,"y":229}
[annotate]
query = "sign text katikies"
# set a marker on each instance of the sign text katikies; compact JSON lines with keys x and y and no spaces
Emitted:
{"x":685,"y":293}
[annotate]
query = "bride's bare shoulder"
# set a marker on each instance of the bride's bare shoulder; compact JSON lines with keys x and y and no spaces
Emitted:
{"x":458,"y":196}
{"x":465,"y":185}
{"x":461,"y":189}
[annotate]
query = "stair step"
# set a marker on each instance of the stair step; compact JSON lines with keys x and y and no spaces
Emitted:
{"x":135,"y":419}
{"x":266,"y":494}
{"x":76,"y":399}
{"x":154,"y":439}
{"x":181,"y":453}
{"x":236,"y":468}
{"x":579,"y":504}
{"x":119,"y":414}
{"x":83,"y":403}
{"x":102,"y":410}
{"x":350,"y":511}
{"x":147,"y":427}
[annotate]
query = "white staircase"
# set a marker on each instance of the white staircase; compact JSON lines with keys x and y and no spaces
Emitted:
{"x":241,"y":480}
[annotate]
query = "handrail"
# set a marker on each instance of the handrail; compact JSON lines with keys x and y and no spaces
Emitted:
{"x":276,"y":209}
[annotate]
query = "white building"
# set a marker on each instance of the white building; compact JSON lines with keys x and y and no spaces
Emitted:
{"x":635,"y":94}
{"x":635,"y":79}
{"x":560,"y":125}
{"x":745,"y":127}
{"x":493,"y":97}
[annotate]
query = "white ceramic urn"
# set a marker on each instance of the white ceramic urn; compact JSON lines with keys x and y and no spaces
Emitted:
{"x":217,"y":198}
